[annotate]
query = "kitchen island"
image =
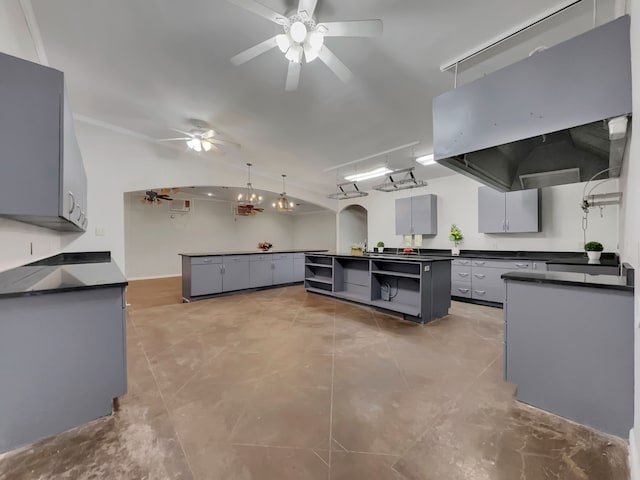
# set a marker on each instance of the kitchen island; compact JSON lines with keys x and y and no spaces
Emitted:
{"x":416,"y":287}
{"x":569,"y":345}
{"x":62,"y":345}
{"x":209,"y":274}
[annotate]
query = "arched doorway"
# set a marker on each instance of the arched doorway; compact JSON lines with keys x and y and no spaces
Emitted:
{"x":352,"y":227}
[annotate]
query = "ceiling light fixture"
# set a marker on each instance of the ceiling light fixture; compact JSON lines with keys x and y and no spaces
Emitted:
{"x":284,"y":42}
{"x":359,"y":177}
{"x":426,"y":160}
{"x":247,"y":202}
{"x":404,"y":179}
{"x":298,"y":32}
{"x":284,"y":204}
{"x":345,"y":194}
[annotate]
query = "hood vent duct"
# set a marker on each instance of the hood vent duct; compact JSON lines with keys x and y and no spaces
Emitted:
{"x":554,"y":118}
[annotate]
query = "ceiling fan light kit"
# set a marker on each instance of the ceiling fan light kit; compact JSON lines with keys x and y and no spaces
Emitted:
{"x":200,"y":139}
{"x":303,"y":36}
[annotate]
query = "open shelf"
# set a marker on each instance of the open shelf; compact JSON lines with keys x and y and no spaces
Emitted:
{"x":396,"y":274}
{"x":397,"y":307}
{"x":358,"y":297}
{"x":318,"y":260}
{"x":326,"y":281}
{"x":317,"y":290}
{"x":322,"y":265}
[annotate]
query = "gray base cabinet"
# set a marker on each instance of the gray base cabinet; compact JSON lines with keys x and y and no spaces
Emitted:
{"x":62,"y":361}
{"x":570,"y":351}
{"x":204,"y":276}
{"x":480,"y":279}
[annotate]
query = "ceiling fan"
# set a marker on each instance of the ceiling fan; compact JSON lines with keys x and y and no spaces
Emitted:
{"x":200,"y":139}
{"x":304,"y":36}
{"x":152,"y":197}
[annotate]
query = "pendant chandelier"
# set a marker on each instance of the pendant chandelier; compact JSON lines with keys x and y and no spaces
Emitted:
{"x":284,"y":204}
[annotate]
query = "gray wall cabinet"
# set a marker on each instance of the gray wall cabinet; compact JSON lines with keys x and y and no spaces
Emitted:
{"x":417,"y":215}
{"x":62,"y":361}
{"x":42,"y":178}
{"x":569,"y":350}
{"x":511,"y":212}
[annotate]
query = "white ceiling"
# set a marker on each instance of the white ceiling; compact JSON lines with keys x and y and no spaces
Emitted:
{"x":147,"y":65}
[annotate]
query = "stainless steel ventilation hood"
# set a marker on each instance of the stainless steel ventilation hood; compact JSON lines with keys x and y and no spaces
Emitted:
{"x":557,"y":117}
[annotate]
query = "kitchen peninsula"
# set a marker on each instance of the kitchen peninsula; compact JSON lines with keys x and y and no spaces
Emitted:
{"x":417,"y":287}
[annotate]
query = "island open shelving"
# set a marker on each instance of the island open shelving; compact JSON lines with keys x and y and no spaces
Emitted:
{"x":417,"y":288}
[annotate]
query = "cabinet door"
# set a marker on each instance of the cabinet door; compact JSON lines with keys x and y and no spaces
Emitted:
{"x":235,"y":273}
{"x":522,"y":211}
{"x":206,"y":279}
{"x":403,"y":216}
{"x":298,"y":269}
{"x":71,"y":190}
{"x":540,"y":266}
{"x":491,"y":210}
{"x":30,"y":112}
{"x":424,"y":215}
{"x":282,"y":269}
{"x":260,"y":273}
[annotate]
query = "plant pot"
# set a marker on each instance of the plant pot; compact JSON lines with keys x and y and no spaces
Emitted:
{"x":594,"y":256}
{"x":380,"y":249}
{"x":356,"y":253}
{"x":455,"y":250}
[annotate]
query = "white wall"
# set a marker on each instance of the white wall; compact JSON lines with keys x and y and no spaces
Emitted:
{"x":16,"y":238}
{"x":352,"y":227}
{"x":458,"y":203}
{"x":153,"y":239}
{"x":315,"y":230}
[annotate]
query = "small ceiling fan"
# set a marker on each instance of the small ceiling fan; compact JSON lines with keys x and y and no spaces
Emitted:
{"x":200,"y":139}
{"x":152,"y":197}
{"x":304,"y":36}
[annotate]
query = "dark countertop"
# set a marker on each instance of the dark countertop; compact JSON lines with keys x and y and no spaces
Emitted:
{"x":62,"y":273}
{"x":245,"y":252}
{"x":393,"y":257}
{"x":561,"y":258}
{"x":609,"y":282}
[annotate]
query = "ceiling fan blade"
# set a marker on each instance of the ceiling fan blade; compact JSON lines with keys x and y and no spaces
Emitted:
{"x":293,"y":77}
{"x":358,"y":28}
{"x":189,"y":134}
{"x":335,"y":65}
{"x":308,"y":7}
{"x":254,"y":51}
{"x":219,"y":141}
{"x":172,"y":139}
{"x":261,"y":10}
{"x":208,"y":134}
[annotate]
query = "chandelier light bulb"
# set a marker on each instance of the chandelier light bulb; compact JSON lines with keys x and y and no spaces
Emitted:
{"x":298,"y":32}
{"x":284,"y":42}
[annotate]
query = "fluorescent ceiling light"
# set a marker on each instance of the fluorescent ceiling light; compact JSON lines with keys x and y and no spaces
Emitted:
{"x":359,"y":177}
{"x":426,"y":160}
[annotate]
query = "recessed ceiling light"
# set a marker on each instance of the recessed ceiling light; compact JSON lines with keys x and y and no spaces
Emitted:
{"x":426,"y":160}
{"x":210,"y":194}
{"x":359,"y":177}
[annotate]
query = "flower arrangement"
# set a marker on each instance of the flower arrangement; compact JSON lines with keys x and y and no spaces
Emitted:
{"x":265,"y":246}
{"x":455,"y":234}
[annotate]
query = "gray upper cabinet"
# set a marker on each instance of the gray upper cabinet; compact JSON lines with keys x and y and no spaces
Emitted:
{"x":417,"y":215}
{"x":511,"y":212}
{"x":42,"y":178}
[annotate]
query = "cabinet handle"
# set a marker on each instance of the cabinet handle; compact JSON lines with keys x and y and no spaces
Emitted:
{"x":465,"y":275}
{"x":464,"y":290}
{"x":463,"y":262}
{"x":79,"y":215}
{"x":504,"y":226}
{"x":480,"y":263}
{"x":73,"y":202}
{"x":479,"y":275}
{"x":480,"y":292}
{"x":507,"y":225}
{"x":522,"y":265}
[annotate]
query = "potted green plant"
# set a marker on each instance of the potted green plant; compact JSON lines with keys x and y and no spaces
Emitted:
{"x":380,"y":246}
{"x":455,"y":235}
{"x":594,"y":250}
{"x":357,"y":249}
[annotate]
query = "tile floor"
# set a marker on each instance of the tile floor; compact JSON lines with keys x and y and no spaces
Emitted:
{"x":281,"y":384}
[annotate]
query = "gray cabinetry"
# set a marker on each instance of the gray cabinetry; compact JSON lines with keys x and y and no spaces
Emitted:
{"x":417,"y":215}
{"x":41,"y":175}
{"x":206,"y":276}
{"x":64,"y":361}
{"x":282,"y":268}
{"x":260,"y":271}
{"x":298,"y":267}
{"x":511,"y":212}
{"x":235,"y":273}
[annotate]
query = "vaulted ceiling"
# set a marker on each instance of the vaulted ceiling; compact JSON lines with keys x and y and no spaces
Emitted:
{"x":148,"y":65}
